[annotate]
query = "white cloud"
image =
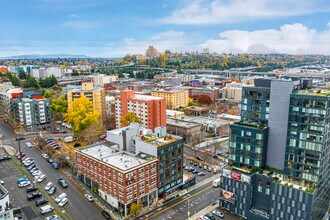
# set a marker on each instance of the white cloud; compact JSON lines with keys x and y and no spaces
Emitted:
{"x":81,"y":24}
{"x":290,"y":38}
{"x":172,"y":40}
{"x":200,"y":12}
{"x":73,"y":16}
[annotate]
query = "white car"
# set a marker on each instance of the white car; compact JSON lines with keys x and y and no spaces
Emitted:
{"x":28,"y":144}
{"x":36,"y":173}
{"x":41,"y":178}
{"x":24,"y":183}
{"x":89,"y":197}
{"x":52,"y":217}
{"x":63,"y":202}
{"x":60,"y":197}
{"x":48,"y":186}
{"x":45,"y":156}
{"x":29,"y":162}
{"x":218,"y":213}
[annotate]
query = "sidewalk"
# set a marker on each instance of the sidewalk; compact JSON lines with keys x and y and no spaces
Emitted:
{"x":9,"y":149}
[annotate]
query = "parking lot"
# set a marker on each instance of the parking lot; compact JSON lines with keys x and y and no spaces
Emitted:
{"x":10,"y":173}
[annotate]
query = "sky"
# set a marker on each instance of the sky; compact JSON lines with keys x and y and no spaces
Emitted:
{"x":113,"y":28}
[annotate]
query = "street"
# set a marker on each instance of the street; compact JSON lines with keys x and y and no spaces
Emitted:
{"x":198,"y":199}
{"x":76,"y":198}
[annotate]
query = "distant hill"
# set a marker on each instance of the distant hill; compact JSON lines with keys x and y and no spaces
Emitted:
{"x":45,"y":56}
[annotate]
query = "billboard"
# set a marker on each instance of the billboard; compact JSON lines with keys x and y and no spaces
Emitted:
{"x":227,"y":196}
{"x":235,"y":176}
{"x":245,"y":179}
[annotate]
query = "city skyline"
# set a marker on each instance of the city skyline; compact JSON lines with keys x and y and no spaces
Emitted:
{"x":104,"y":28}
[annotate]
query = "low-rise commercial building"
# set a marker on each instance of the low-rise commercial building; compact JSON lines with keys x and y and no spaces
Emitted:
{"x":120,"y":178}
{"x":212,"y":92}
{"x":174,"y":114}
{"x":211,"y":125}
{"x":186,"y":129}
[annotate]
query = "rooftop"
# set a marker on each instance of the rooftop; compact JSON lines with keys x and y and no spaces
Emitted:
{"x":159,"y":141}
{"x":315,"y":92}
{"x":252,"y":125}
{"x":113,"y":156}
{"x":169,"y":91}
{"x":181,"y":123}
{"x":173,"y":112}
{"x":209,"y":121}
{"x":147,"y":97}
{"x":3,"y":192}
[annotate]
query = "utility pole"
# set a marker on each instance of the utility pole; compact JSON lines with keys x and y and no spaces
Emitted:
{"x":19,"y":148}
{"x":188,"y":209}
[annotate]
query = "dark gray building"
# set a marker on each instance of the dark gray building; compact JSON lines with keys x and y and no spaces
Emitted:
{"x":284,"y":136}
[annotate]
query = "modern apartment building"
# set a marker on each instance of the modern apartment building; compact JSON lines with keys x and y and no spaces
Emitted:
{"x":150,"y":110}
{"x":101,"y":79}
{"x":232,"y":90}
{"x":166,"y":147}
{"x":6,"y":212}
{"x":174,"y":98}
{"x":284,"y":136}
{"x":120,"y":178}
{"x":95,"y":94}
{"x":32,"y":113}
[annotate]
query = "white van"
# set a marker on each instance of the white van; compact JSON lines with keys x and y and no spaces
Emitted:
{"x":69,"y":139}
{"x":46,"y":208}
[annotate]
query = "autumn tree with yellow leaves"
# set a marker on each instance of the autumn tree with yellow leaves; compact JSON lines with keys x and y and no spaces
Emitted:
{"x":128,"y":119}
{"x":81,"y":115}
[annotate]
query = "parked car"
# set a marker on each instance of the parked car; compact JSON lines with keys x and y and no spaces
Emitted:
{"x":41,"y":178}
{"x":22,"y":180}
{"x":33,"y":195}
{"x":218,"y":213}
{"x":63,"y":183}
{"x":24,"y":183}
{"x":210,"y":216}
{"x":89,"y":197}
{"x":36,"y":173}
{"x":31,"y":189}
{"x":77,"y":145}
{"x":22,"y":158}
{"x":63,"y":202}
{"x":6,"y":120}
{"x":106,"y":215}
{"x":17,"y":210}
{"x":52,"y":217}
{"x":34,"y":169}
{"x":199,"y":158}
{"x":205,"y":167}
{"x":21,"y":155}
{"x":31,"y":167}
{"x":215,"y":171}
{"x":45,"y":156}
{"x":6,"y":157}
{"x":55,"y":165}
{"x":50,"y":161}
{"x":195,"y":164}
{"x":210,"y":169}
{"x":48,"y":186}
{"x":195,"y":171}
{"x":45,"y":209}
{"x":52,"y":190}
{"x":201,"y":174}
{"x":28,"y":163}
{"x":28,"y":144}
{"x":41,"y":201}
{"x":17,"y":154}
{"x":60,"y":197}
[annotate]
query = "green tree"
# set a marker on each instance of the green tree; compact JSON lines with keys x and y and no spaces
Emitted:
{"x":81,"y":115}
{"x":31,"y":82}
{"x":128,"y":119}
{"x":47,"y":93}
{"x":22,"y":74}
{"x":121,"y":74}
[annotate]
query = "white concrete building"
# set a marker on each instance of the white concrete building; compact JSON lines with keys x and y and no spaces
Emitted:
{"x":6,"y":211}
{"x":101,"y":79}
{"x":233,"y":91}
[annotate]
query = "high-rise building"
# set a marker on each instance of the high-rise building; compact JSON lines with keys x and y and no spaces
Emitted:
{"x":284,"y":136}
{"x":121,"y":178}
{"x":150,"y":110}
{"x":95,"y":94}
{"x":151,"y":52}
{"x":174,"y":98}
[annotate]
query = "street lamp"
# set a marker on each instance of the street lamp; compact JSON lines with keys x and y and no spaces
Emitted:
{"x":19,"y":146}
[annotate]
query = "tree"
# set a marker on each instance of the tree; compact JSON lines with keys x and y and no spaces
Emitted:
{"x":81,"y":115}
{"x":135,"y":208}
{"x":121,"y":74}
{"x":60,"y":159}
{"x":204,"y":100}
{"x":31,"y":82}
{"x":40,"y":142}
{"x":91,"y":133}
{"x":47,"y":93}
{"x":191,"y":102}
{"x":128,"y":119}
{"x":22,"y":74}
{"x":59,"y":106}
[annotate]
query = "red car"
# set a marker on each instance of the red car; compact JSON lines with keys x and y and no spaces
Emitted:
{"x":17,"y":154}
{"x":23,"y":158}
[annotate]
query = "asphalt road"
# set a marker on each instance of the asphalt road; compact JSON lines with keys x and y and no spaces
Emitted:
{"x":177,"y":209}
{"x":76,"y":198}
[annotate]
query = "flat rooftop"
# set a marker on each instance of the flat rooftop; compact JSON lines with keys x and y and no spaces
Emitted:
{"x":315,"y":92}
{"x":209,"y":121}
{"x":181,"y":123}
{"x":147,"y":97}
{"x":170,"y":91}
{"x":113,"y":156}
{"x":173,"y":112}
{"x":3,"y":192}
{"x":159,"y":141}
